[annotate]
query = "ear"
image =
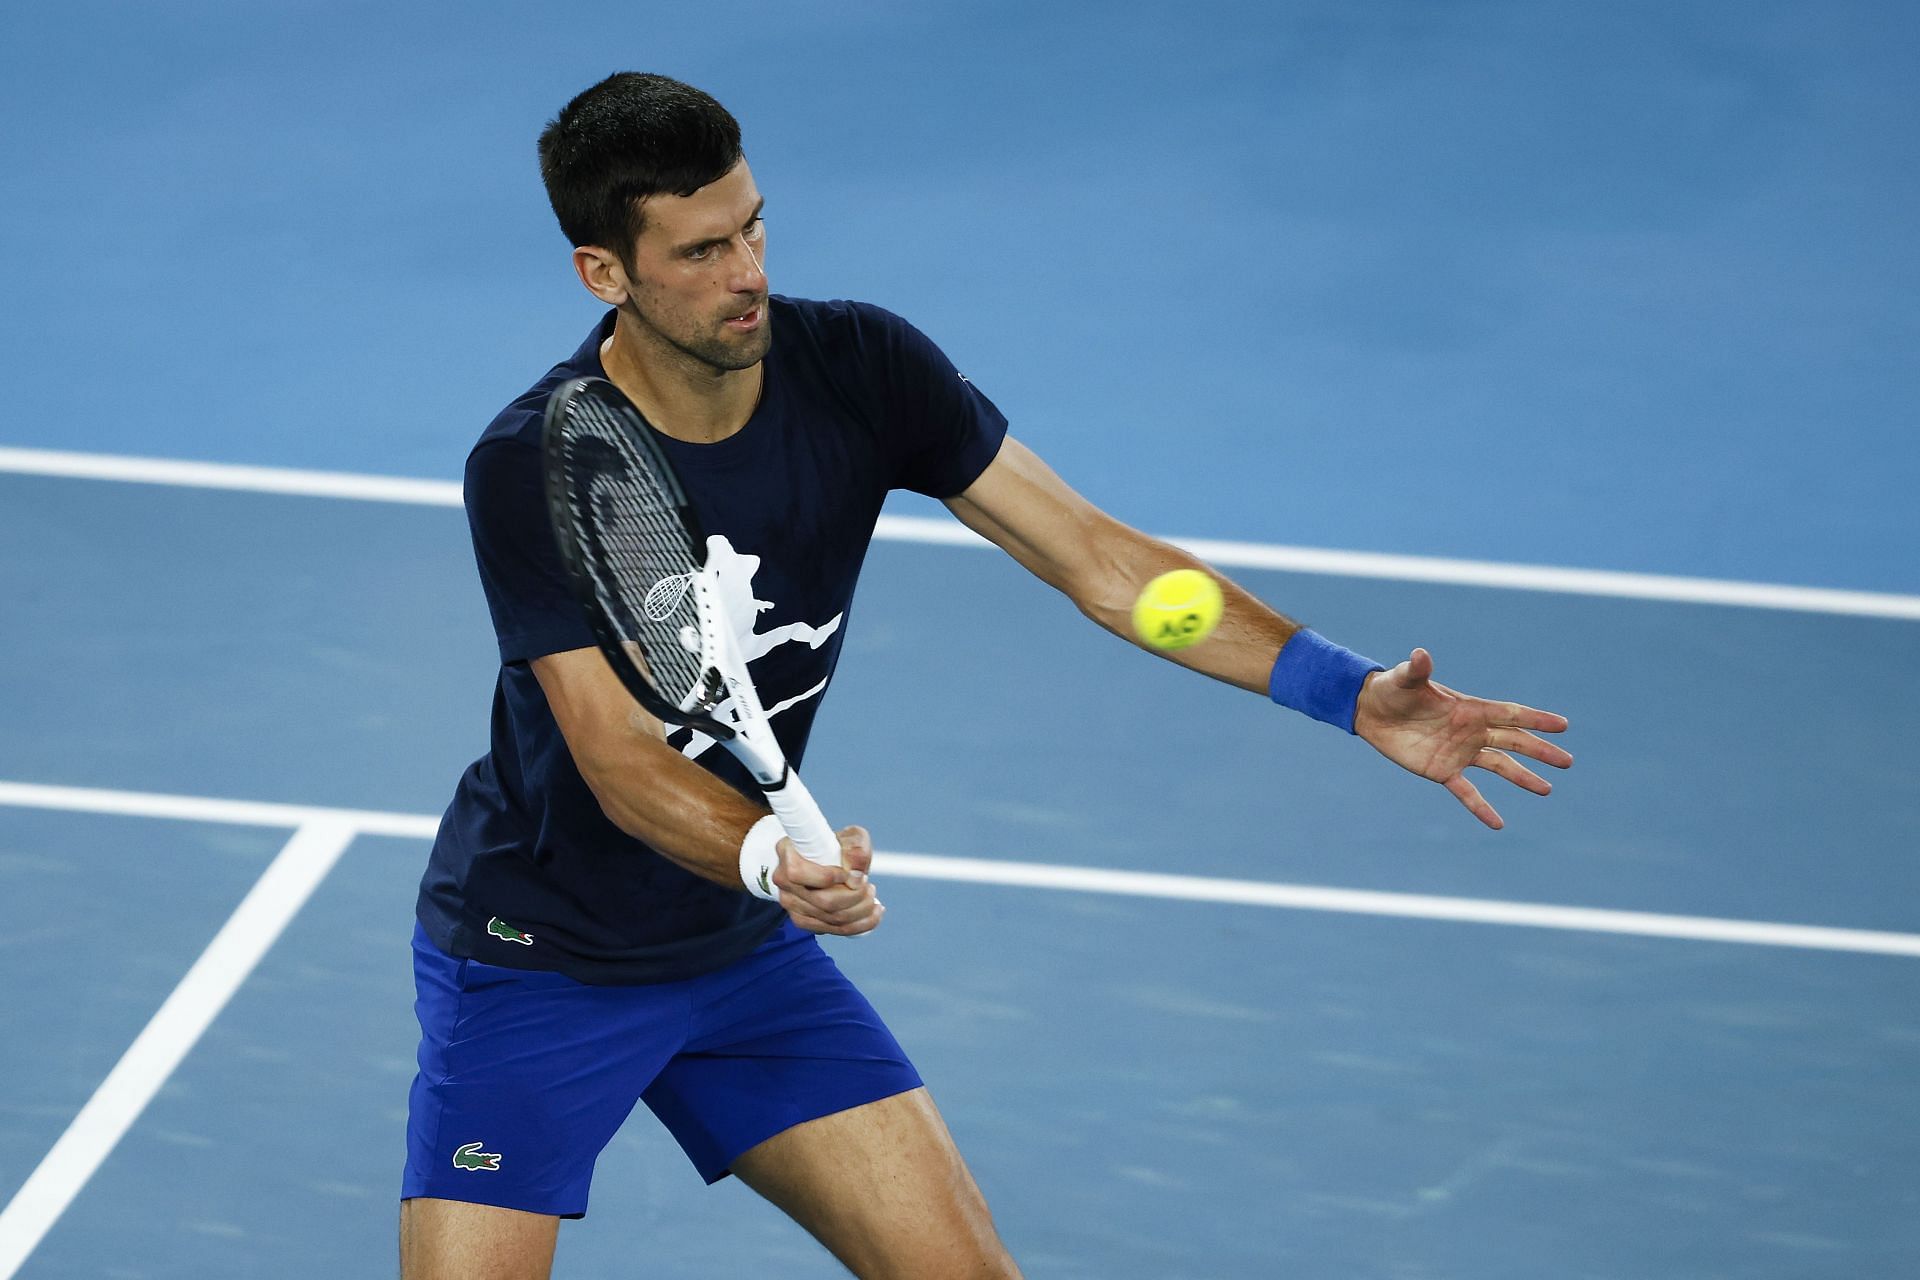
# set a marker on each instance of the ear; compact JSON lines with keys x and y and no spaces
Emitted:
{"x":600,"y":271}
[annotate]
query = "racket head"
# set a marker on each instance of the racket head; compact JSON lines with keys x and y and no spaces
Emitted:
{"x":631,"y":544}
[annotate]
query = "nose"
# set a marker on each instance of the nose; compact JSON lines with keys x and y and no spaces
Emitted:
{"x":751,"y":276}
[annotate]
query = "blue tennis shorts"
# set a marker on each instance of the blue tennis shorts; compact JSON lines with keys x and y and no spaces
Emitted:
{"x":525,"y":1075}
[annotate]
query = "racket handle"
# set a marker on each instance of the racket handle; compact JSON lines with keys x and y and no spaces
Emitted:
{"x":805,"y":825}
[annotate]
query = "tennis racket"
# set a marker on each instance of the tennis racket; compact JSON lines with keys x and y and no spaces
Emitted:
{"x":634,"y":552}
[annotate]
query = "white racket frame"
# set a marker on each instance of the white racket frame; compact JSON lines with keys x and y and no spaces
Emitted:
{"x":752,"y":741}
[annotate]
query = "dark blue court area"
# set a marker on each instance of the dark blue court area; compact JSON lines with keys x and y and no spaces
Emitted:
{"x":1624,"y":287}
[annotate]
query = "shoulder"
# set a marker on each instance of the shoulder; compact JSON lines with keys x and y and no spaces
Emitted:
{"x":840,"y":329}
{"x":859,"y":344}
{"x":835,"y":315}
{"x":504,"y":467}
{"x":517,"y":426}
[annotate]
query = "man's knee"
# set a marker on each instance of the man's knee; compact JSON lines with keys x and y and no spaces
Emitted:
{"x":885,"y":1189}
{"x":971,"y":1257}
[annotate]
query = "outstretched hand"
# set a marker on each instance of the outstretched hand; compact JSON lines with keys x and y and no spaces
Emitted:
{"x":1428,"y":729}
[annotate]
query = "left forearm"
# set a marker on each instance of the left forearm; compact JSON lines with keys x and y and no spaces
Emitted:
{"x":1100,"y":564}
{"x":1242,"y":647}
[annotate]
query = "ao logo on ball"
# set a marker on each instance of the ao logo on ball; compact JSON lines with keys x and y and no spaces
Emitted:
{"x":1178,"y":609}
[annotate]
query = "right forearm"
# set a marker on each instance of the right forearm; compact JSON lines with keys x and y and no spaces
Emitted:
{"x":654,"y":793}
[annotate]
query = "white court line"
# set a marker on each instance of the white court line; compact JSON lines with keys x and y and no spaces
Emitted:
{"x":942,"y":532}
{"x":172,"y":1032}
{"x":224,"y":475}
{"x":1408,"y":906}
{"x":246,"y":813}
{"x":1034,"y":875}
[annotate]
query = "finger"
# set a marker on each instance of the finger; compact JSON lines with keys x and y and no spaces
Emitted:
{"x":812,"y":921}
{"x":843,"y":923}
{"x":1524,"y":717}
{"x":1524,"y":743}
{"x":1509,"y":715}
{"x":833,"y":900}
{"x":838,"y":903}
{"x":1512,"y":770}
{"x":1467,"y":794}
{"x":866,"y":924}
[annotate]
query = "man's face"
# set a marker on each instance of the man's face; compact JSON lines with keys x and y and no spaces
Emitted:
{"x":698,"y":277}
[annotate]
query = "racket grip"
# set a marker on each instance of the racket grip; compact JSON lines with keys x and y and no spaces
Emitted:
{"x":805,"y":825}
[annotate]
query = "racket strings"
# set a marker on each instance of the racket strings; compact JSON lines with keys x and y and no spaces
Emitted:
{"x":641,"y":563}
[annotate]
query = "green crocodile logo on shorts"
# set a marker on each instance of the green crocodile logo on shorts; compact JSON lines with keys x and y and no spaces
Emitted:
{"x":501,"y":929}
{"x":472,"y":1157}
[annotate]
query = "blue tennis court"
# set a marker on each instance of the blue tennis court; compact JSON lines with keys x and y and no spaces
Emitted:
{"x":1572,"y":343}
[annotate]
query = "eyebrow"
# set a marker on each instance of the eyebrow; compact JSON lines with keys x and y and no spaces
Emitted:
{"x":691,"y":245}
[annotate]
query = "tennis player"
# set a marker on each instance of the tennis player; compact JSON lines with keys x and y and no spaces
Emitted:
{"x":590,"y":932}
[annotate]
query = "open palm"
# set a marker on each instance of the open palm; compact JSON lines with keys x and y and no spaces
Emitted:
{"x":1428,"y":729}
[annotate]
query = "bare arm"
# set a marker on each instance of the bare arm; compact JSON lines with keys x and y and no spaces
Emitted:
{"x":1100,"y":564}
{"x":654,"y":793}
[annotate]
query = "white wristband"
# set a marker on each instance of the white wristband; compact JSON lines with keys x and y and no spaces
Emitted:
{"x":759,"y":856}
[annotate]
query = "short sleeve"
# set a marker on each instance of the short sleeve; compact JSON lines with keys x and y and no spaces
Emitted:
{"x":942,"y":430}
{"x":533,"y":606}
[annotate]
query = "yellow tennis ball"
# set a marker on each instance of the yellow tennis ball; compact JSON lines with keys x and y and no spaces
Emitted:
{"x":1177,"y":609}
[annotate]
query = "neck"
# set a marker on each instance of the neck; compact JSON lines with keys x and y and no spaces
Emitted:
{"x":681,"y":396}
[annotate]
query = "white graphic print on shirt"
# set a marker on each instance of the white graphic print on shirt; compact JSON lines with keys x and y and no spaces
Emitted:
{"x":733,"y":572}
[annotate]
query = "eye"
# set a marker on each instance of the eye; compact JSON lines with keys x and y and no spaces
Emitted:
{"x":700,"y":253}
{"x":756,"y":228}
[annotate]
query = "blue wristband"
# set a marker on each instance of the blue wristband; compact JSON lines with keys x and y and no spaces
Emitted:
{"x":1316,"y":676}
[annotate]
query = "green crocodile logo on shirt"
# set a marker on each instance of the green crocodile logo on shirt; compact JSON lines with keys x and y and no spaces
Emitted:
{"x":501,"y":929}
{"x":472,"y":1157}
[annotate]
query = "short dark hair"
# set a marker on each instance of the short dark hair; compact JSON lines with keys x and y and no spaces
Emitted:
{"x":631,"y":136}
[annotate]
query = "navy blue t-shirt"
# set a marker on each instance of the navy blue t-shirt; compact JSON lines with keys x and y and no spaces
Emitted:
{"x":527,"y":871}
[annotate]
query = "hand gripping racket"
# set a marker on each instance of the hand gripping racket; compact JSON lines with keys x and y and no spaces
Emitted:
{"x":633,"y":550}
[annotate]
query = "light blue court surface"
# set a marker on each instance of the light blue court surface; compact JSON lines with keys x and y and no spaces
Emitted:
{"x":1620,"y":287}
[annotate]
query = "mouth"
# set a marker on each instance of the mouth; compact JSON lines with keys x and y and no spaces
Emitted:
{"x":749,"y":320}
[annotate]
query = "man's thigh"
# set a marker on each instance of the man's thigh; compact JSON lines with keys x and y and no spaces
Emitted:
{"x":882,"y":1186}
{"x":450,"y":1240}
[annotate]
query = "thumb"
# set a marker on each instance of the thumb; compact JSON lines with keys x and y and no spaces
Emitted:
{"x":801,"y":872}
{"x":1420,"y":666}
{"x":856,"y":847}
